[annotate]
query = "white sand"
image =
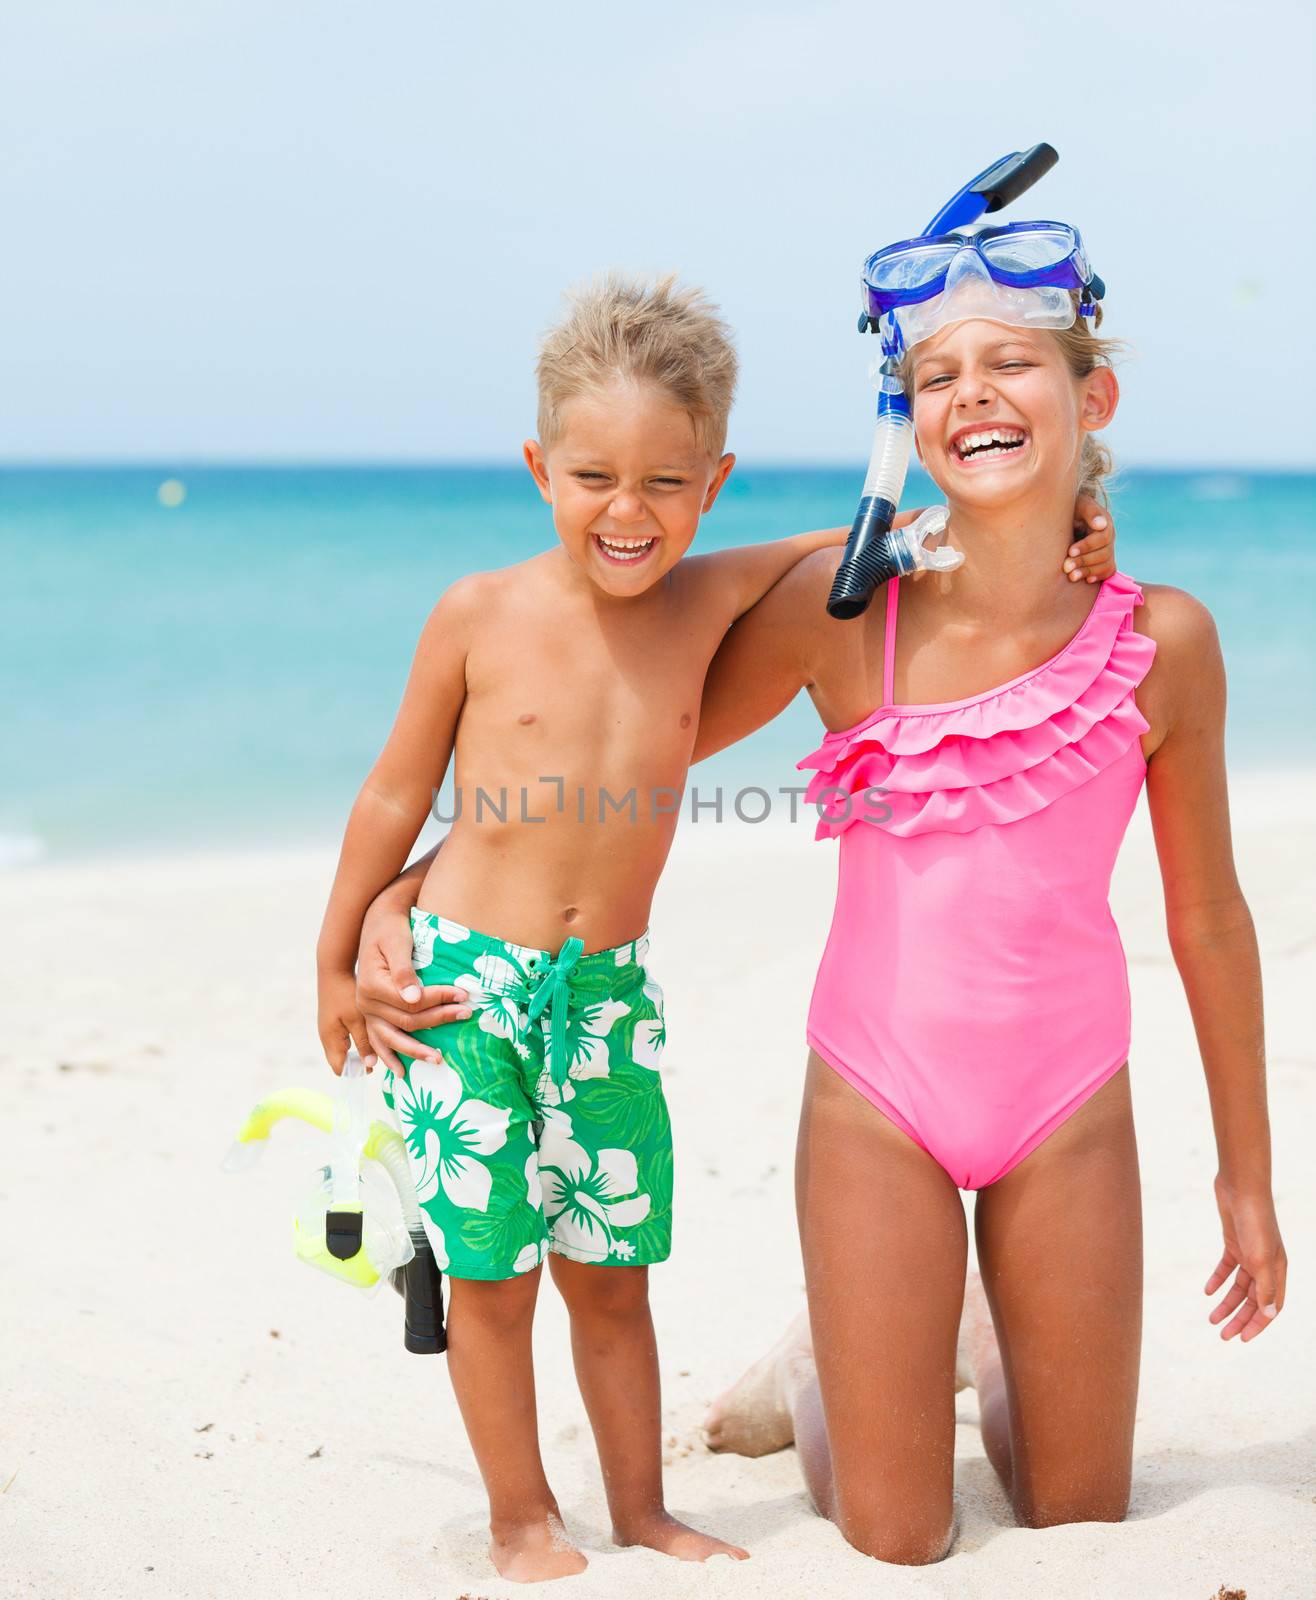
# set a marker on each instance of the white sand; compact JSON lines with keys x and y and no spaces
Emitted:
{"x":192,"y":1413}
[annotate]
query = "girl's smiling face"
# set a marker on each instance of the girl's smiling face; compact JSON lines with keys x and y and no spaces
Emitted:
{"x":998,"y":413}
{"x":628,"y":482}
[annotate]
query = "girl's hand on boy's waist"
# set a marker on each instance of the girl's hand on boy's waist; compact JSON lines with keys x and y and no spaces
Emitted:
{"x":389,"y":996}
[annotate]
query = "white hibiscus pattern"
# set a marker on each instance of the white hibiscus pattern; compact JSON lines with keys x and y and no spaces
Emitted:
{"x":493,"y":990}
{"x":446,"y":1135}
{"x":425,"y":929}
{"x":587,"y":1051}
{"x":530,"y":1255}
{"x":650,"y":1034}
{"x":586,"y":1198}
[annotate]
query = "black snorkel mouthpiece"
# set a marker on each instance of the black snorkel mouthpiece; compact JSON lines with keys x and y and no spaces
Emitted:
{"x":343,"y":1233}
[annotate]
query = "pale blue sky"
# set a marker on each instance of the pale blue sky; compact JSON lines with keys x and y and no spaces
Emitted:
{"x":263,"y":230}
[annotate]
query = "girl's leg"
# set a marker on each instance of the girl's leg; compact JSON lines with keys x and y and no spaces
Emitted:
{"x":616,"y":1359}
{"x":1060,"y":1247}
{"x":885,"y":1246}
{"x":489,"y":1359}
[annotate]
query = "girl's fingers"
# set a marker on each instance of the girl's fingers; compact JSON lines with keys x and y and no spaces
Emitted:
{"x":375,"y":982}
{"x":1281,"y":1280}
{"x":1237,"y":1294}
{"x":439,"y":1016}
{"x":1247,"y":1311}
{"x":428,"y":1014}
{"x":1258,"y":1323}
{"x":1266,"y":1291}
{"x":397,"y":958}
{"x":443,"y":994}
{"x":398,"y":1041}
{"x":387,"y":1060}
{"x":1222,"y":1271}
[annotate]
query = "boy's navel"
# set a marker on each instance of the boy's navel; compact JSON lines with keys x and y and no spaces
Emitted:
{"x":570,"y":914}
{"x":686,"y":719}
{"x":526,"y":718}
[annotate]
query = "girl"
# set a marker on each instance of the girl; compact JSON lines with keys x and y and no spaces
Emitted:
{"x":970,"y":1022}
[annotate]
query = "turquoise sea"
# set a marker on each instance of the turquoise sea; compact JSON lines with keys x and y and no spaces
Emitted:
{"x":223,"y":671}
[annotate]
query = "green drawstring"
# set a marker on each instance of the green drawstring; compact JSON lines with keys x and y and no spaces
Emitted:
{"x":555,"y":984}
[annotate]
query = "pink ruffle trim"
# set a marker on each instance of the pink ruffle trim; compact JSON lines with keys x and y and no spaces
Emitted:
{"x":997,"y":756}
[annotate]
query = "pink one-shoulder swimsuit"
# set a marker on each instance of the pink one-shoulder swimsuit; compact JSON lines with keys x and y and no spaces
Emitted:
{"x":974,"y":986}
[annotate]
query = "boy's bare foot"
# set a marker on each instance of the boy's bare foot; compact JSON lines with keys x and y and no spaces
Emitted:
{"x":535,"y":1551}
{"x":663,"y":1532}
{"x":976,"y":1351}
{"x":753,"y":1418}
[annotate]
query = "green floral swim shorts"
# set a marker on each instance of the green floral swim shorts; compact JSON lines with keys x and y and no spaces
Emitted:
{"x":545,"y":1126}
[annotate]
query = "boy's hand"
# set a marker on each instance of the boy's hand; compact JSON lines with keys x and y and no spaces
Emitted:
{"x":1255,"y":1253}
{"x":339,"y":1021}
{"x":389,"y":995}
{"x":1093,"y":556}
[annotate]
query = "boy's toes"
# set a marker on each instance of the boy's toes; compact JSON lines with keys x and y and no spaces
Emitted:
{"x":677,"y":1539}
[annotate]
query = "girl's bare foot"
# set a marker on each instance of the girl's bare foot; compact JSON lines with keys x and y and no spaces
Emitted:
{"x":535,"y":1551}
{"x":753,"y":1418}
{"x":976,"y":1352}
{"x":663,"y":1532}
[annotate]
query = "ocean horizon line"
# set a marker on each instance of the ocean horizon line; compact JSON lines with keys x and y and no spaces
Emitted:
{"x":175,"y":465}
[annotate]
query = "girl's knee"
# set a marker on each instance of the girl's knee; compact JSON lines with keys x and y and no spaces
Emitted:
{"x":1092,"y":1504}
{"x":913,"y":1544}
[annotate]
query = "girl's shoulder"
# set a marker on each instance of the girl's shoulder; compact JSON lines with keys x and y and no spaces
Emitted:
{"x":1179,"y":622}
{"x":1186,"y":679}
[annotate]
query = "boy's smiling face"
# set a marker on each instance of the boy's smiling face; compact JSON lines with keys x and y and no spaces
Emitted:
{"x":628,"y":481}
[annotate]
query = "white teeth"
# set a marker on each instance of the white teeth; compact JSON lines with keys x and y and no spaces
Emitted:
{"x":625,"y":549}
{"x":997,"y":440}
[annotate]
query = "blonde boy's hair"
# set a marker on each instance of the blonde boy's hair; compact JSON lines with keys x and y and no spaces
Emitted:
{"x":658,"y":333}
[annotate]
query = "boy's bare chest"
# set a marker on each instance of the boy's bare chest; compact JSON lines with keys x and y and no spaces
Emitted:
{"x":552,"y":696}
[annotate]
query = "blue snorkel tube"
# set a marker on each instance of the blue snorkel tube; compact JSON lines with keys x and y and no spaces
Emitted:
{"x":872,"y":556}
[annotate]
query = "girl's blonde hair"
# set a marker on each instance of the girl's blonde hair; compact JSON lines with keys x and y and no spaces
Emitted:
{"x":654,"y":332}
{"x":1084,"y":351}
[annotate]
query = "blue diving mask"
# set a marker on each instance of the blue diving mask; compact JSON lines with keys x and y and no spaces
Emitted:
{"x":1024,"y":274}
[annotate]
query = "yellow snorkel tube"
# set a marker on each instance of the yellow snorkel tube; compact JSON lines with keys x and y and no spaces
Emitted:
{"x":358,"y":1223}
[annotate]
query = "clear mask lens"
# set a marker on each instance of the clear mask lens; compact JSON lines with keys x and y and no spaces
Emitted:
{"x":911,"y":268}
{"x":1032,"y":251}
{"x":971,"y":292}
